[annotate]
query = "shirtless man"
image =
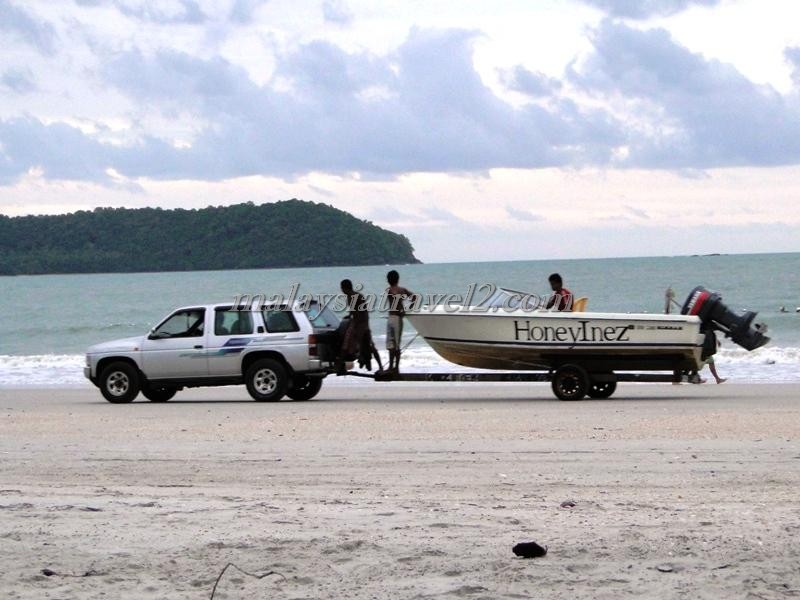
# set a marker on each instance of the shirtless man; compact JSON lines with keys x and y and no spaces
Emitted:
{"x":394,"y":324}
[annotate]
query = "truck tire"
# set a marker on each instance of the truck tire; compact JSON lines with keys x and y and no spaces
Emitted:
{"x":158,"y":393}
{"x":304,"y":388}
{"x":570,"y":382}
{"x":601,"y":389}
{"x":119,"y":382}
{"x":266,"y":380}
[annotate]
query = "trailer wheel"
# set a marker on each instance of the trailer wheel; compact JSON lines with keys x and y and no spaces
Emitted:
{"x":570,"y":382}
{"x":601,"y":389}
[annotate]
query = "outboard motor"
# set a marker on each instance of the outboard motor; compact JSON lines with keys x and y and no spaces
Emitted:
{"x":716,"y":315}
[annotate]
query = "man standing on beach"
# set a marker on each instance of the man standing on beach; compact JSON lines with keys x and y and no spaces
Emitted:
{"x":359,"y":320}
{"x":562,"y":297}
{"x":396,"y":295}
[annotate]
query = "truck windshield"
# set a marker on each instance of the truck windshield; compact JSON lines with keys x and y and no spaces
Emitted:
{"x":321,"y":316}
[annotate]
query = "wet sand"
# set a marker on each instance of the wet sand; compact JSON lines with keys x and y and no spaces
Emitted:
{"x":402,"y":491}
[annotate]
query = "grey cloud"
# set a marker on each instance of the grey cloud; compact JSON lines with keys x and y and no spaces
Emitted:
{"x":636,"y":212}
{"x":165,"y":12}
{"x":389,"y":214}
{"x":422,"y":108}
{"x":321,"y":191}
{"x":242,"y":10}
{"x":64,"y":152}
{"x":27,"y":27}
{"x":644,"y":9}
{"x":19,"y":81}
{"x":336,"y":11}
{"x":523,"y":215}
{"x":434,"y":213}
{"x":793,"y":56}
{"x":699,"y":113}
{"x":529,"y":82}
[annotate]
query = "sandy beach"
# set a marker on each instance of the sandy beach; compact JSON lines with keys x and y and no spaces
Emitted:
{"x":402,"y":491}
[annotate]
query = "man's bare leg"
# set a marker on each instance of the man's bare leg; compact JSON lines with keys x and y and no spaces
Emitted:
{"x":713,"y":368}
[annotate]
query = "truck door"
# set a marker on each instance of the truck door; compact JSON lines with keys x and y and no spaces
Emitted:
{"x":230,"y":335}
{"x":176,"y":348}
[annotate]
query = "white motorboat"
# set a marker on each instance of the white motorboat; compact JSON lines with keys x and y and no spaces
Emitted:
{"x":498,"y":334}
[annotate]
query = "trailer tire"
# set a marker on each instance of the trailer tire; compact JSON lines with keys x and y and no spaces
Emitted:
{"x":601,"y":389}
{"x":570,"y":382}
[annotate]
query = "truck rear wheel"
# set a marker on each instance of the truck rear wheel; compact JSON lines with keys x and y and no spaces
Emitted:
{"x":570,"y":382}
{"x":156,"y":393}
{"x":119,"y":382}
{"x":266,"y":380}
{"x":304,"y":388}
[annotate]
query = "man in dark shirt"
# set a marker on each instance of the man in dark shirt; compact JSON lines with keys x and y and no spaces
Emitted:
{"x":562,"y":297}
{"x":359,"y":320}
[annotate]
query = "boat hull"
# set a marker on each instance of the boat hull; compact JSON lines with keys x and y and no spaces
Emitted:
{"x":542,"y":340}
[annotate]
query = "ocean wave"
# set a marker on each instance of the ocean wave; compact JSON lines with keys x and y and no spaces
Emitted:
{"x":770,"y":364}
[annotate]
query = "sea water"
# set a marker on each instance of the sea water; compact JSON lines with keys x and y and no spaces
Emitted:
{"x":47,"y":321}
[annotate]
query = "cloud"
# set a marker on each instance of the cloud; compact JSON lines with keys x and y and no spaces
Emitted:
{"x":18,"y":81}
{"x":422,"y":107}
{"x":164,"y":12}
{"x":336,"y":11}
{"x":644,"y":9}
{"x":391,"y":215}
{"x":61,"y":151}
{"x":686,"y":111}
{"x":792,"y":55}
{"x":636,"y":212}
{"x":532,"y":83}
{"x":27,"y":28}
{"x":435,"y":213}
{"x":645,"y":101}
{"x":242,"y":11}
{"x":519,"y":214}
{"x":321,"y":191}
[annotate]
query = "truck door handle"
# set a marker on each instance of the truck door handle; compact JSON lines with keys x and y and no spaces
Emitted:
{"x":198,"y":347}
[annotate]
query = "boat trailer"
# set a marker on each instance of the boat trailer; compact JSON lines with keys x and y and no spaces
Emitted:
{"x":569,"y":382}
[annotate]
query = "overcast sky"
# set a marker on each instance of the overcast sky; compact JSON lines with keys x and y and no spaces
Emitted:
{"x":510,"y":129}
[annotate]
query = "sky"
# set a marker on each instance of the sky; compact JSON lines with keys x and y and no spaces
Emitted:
{"x":504,"y":130}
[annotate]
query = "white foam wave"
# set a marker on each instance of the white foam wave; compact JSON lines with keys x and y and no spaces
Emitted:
{"x":770,"y":364}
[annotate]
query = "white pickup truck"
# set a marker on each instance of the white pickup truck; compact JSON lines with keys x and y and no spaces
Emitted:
{"x":273,"y":351}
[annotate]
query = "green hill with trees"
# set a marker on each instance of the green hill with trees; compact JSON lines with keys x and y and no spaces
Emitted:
{"x":292,"y":233}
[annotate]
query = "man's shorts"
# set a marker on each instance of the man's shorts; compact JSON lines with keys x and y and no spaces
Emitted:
{"x":394,"y":332}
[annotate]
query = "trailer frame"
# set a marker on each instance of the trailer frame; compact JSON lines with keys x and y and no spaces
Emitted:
{"x":569,"y":381}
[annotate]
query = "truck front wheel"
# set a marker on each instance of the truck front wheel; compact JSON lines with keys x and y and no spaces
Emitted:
{"x":119,"y":382}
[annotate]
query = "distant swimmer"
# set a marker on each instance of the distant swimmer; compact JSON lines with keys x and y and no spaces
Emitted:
{"x":783,"y":309}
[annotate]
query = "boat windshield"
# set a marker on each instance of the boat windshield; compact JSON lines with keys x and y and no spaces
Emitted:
{"x":507,"y":299}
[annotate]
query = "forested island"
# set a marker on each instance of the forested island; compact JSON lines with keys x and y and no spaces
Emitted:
{"x":291,"y":233}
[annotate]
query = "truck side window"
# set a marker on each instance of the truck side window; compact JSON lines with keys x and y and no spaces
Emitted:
{"x":280,"y":321}
{"x":184,"y":323}
{"x":233,"y":322}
